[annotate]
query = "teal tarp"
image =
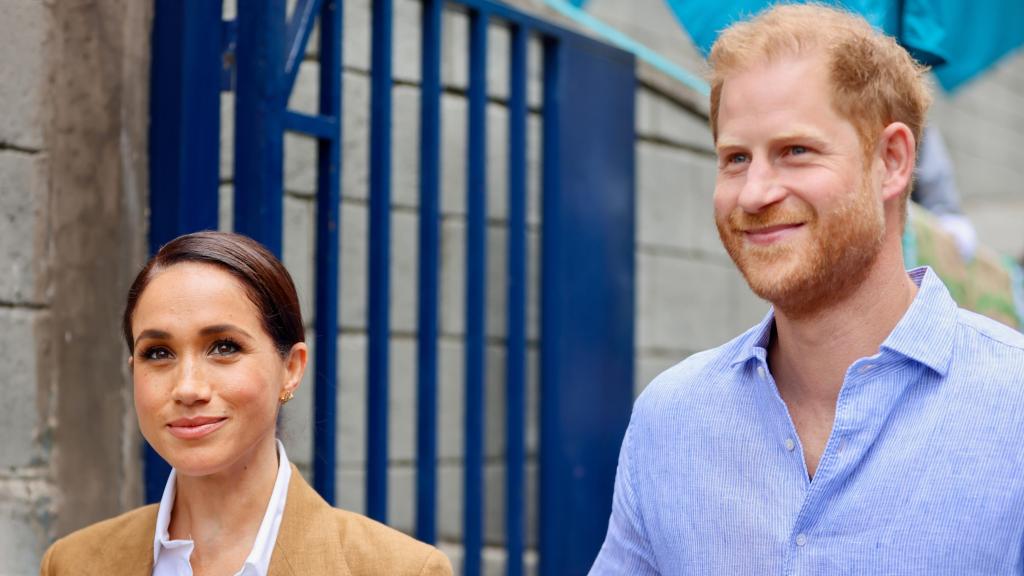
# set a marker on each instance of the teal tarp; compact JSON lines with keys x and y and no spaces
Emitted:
{"x":959,"y":39}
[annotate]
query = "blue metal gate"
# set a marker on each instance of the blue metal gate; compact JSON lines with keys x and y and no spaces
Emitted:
{"x":587,"y":267}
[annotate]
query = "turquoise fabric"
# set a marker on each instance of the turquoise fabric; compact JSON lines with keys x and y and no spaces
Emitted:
{"x":912,"y":21}
{"x":958,"y":39}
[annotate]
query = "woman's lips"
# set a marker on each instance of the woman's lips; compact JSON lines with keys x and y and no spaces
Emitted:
{"x":770,"y":234}
{"x":195,"y":428}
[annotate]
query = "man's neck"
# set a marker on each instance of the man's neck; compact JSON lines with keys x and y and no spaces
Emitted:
{"x":810,"y":354}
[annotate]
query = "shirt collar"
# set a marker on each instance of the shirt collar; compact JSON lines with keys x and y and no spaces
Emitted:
{"x":258,"y":560}
{"x":925,"y":333}
{"x":927,"y":330}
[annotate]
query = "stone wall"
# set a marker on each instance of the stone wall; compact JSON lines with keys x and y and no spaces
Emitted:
{"x":72,"y":191}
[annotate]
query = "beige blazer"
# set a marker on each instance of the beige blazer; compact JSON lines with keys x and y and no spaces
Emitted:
{"x":314,"y":539}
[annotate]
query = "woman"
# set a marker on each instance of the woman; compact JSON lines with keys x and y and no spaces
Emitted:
{"x":217,"y":346}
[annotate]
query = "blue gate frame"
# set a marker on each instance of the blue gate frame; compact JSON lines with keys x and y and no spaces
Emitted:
{"x":587,"y":262}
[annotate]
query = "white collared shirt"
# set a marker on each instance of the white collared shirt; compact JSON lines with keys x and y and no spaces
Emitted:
{"x":171,"y":557}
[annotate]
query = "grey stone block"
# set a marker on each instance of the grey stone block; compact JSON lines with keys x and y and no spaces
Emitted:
{"x":21,"y":540}
{"x":451,"y":503}
{"x":686,"y":304}
{"x":675,"y":190}
{"x":21,"y":334}
{"x":453,"y":279}
{"x":299,"y":249}
{"x":404,"y":271}
{"x":658,"y":118}
{"x":652,"y":23}
{"x":226,"y":207}
{"x":26,"y":27}
{"x":358,"y":26}
{"x":24,"y":219}
{"x":354,"y":254}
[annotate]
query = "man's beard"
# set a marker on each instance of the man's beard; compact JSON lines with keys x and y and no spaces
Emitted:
{"x":802,"y":276}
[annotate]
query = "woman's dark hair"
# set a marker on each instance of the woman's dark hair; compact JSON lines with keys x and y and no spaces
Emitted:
{"x":265,"y":279}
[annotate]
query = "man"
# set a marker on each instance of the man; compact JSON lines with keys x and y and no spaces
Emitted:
{"x":866,"y":425}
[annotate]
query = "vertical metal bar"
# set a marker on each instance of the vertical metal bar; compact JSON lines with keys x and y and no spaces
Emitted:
{"x":516,"y":363}
{"x":184,"y":140}
{"x":550,"y":559}
{"x":259,"y":121}
{"x":476,"y":290}
{"x":587,"y":325}
{"x":380,"y":250}
{"x":430,"y":169}
{"x":327,"y":230}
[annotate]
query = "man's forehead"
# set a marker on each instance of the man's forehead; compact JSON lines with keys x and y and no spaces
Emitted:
{"x":782,"y":84}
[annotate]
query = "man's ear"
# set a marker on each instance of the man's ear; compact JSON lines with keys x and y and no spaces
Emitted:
{"x":897,"y":151}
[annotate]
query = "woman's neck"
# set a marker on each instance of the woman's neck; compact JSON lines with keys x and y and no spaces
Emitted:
{"x":221,"y":513}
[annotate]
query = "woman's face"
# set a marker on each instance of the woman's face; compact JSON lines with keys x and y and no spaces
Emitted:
{"x":208,"y":378}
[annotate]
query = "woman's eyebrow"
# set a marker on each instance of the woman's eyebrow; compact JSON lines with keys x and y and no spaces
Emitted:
{"x":154,"y":334}
{"x":222,"y":328}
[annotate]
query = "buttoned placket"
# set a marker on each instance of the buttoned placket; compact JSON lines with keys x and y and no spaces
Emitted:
{"x":830,"y":465}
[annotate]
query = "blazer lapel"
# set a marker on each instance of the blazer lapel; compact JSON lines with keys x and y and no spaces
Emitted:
{"x":308,"y":541}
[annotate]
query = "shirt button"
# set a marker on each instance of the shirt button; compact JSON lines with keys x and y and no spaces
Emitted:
{"x":760,"y":371}
{"x":801,"y":539}
{"x":790,"y":445}
{"x":866,"y":368}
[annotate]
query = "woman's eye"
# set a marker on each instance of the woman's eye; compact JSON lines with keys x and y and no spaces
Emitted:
{"x":156,"y":353}
{"x":224,"y":348}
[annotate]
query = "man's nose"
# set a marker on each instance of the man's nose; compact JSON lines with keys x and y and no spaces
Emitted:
{"x":761,"y":188}
{"x":191,"y":385}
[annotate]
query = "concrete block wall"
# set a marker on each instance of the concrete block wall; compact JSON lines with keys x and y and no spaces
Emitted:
{"x":72,"y":174}
{"x":27,"y":488}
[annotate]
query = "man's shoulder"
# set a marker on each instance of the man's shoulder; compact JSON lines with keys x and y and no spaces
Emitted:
{"x":988,"y":331}
{"x":700,"y":371}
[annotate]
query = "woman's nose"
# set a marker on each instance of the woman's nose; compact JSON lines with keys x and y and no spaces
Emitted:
{"x":191,"y":386}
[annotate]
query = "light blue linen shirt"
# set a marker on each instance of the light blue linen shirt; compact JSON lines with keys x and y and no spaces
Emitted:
{"x":923,"y":472}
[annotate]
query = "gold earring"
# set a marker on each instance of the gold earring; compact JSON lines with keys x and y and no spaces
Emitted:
{"x":286,"y":397}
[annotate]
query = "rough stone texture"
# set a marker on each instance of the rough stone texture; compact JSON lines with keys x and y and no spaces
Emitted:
{"x":98,"y":177}
{"x":22,"y":413}
{"x":72,"y":160}
{"x":23,"y":228}
{"x":27,"y":29}
{"x":25,"y":507}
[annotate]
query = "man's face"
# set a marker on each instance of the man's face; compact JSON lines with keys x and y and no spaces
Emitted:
{"x":795,"y":205}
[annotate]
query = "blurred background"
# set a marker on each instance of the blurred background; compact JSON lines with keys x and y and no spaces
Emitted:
{"x":500,"y":211}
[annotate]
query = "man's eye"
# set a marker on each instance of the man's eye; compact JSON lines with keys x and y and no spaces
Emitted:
{"x":224,"y":348}
{"x":736,"y":158}
{"x":156,"y":353}
{"x":797,"y":150}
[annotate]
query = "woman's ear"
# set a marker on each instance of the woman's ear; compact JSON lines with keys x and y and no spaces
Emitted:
{"x":897,"y":150}
{"x":295,"y":366}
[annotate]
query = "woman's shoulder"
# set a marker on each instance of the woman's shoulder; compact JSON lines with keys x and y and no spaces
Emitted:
{"x":367,"y":543}
{"x":121,"y":541}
